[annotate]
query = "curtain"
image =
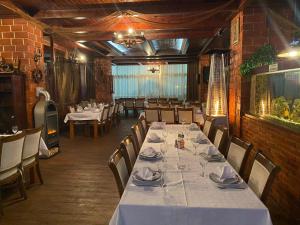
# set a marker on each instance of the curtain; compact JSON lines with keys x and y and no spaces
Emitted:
{"x":192,"y":80}
{"x":137,"y":81}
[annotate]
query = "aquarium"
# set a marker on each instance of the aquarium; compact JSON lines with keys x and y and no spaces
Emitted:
{"x":276,"y":97}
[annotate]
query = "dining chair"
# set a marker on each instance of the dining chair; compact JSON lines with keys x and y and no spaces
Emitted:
{"x":237,"y":154}
{"x":115,"y":113}
{"x":129,"y":152}
{"x":152,"y":115}
{"x":110,"y":115}
{"x":209,"y":127}
{"x":168,"y":115}
{"x":220,"y":139}
{"x":137,"y":136}
{"x":262,"y":175}
{"x":11,"y":149}
{"x":117,"y":165}
{"x":129,"y":105}
{"x":185,"y":115}
{"x":152,"y":104}
{"x":143,"y":124}
{"x":104,"y":119}
{"x":30,"y":156}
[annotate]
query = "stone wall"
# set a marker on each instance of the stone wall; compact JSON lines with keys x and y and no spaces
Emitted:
{"x":19,"y":39}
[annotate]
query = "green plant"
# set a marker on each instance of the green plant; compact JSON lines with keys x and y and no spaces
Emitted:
{"x":278,"y":106}
{"x":263,"y":56}
{"x":296,"y":110}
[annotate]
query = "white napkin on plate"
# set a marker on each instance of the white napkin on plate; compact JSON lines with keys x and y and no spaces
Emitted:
{"x":201,"y":139}
{"x":149,"y":152}
{"x":79,"y":108}
{"x":153,"y":137}
{"x":225,"y":173}
{"x":193,"y":126}
{"x":146,"y":174}
{"x":158,"y":125}
{"x":211,"y":150}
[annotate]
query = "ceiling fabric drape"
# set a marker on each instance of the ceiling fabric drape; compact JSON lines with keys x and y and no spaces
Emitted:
{"x":136,"y":81}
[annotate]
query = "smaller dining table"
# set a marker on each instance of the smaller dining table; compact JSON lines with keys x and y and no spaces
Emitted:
{"x":188,"y":195}
{"x":84,"y":116}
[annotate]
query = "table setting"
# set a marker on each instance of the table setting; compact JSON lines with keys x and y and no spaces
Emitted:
{"x":186,"y":186}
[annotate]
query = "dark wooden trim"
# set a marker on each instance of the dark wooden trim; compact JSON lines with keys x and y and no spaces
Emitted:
{"x":112,"y":163}
{"x":273,"y":170}
{"x":123,"y":148}
{"x":247,"y":146}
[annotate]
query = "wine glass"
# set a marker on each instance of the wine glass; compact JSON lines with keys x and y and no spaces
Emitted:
{"x":14,"y":129}
{"x":203,"y":163}
{"x":195,"y":145}
{"x":164,"y":134}
{"x":164,"y":149}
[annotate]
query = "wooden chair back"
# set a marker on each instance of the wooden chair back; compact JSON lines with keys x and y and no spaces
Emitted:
{"x":237,"y":154}
{"x":11,"y":149}
{"x":168,"y":115}
{"x":143,"y":123}
{"x":137,"y":136}
{"x":262,"y":175}
{"x":185,"y":115}
{"x":117,"y":165}
{"x":208,"y":128}
{"x":31,"y":143}
{"x":152,"y":104}
{"x":105,"y":112}
{"x":128,"y":151}
{"x":152,"y":115}
{"x":220,"y":139}
{"x":129,"y":103}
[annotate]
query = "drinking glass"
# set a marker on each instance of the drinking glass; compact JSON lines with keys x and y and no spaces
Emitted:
{"x":14,"y":129}
{"x":164,"y":134}
{"x":195,"y":145}
{"x":203,"y":163}
{"x":164,"y":149}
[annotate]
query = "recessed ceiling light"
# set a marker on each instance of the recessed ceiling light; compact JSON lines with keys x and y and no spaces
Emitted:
{"x":80,"y":18}
{"x":80,"y":32}
{"x":81,"y":41}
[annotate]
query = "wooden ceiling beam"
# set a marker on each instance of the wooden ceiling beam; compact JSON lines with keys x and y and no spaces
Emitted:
{"x":145,"y":8}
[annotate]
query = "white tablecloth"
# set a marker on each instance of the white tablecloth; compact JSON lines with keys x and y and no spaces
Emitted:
{"x":85,"y":115}
{"x":196,"y":201}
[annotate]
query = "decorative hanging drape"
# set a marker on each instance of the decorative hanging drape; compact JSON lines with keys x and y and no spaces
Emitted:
{"x":137,"y":81}
{"x":192,"y":80}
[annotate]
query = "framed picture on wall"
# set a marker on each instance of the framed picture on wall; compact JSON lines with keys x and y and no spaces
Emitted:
{"x":235,"y":30}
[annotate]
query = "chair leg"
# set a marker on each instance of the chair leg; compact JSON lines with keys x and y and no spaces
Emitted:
{"x":38,"y":171}
{"x":1,"y":206}
{"x":21,"y":184}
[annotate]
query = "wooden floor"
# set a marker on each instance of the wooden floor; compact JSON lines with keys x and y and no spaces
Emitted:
{"x":79,"y":187}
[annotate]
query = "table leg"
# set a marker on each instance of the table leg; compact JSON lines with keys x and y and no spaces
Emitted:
{"x":72,"y":132}
{"x":95,"y":128}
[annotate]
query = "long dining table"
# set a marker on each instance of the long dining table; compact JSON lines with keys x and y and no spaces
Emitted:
{"x":187,"y":197}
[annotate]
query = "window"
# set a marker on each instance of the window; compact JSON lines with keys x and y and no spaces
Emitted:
{"x":137,"y":81}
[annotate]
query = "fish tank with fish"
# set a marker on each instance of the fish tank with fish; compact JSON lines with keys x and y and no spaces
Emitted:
{"x":275,"y":96}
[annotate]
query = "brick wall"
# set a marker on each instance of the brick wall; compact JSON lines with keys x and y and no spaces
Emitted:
{"x":19,"y":39}
{"x":283,"y":148}
{"x":103,"y":79}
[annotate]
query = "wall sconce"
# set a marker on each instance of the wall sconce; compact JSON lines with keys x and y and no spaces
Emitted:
{"x":37,"y":74}
{"x":37,"y":55}
{"x":153,"y":69}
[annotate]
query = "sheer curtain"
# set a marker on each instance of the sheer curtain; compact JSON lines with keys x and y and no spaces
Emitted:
{"x":137,"y":81}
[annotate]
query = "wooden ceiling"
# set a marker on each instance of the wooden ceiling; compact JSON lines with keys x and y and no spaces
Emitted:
{"x":163,"y":22}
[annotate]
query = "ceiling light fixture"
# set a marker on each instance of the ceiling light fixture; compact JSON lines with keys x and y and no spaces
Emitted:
{"x":80,"y":32}
{"x":129,"y":39}
{"x":79,"y":18}
{"x":153,"y":69}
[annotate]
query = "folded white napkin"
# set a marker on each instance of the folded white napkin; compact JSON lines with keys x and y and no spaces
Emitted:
{"x":94,"y":105}
{"x":146,"y":174}
{"x":89,"y":105}
{"x":79,"y":108}
{"x":158,"y":125}
{"x":154,"y":137}
{"x":86,"y":108}
{"x":193,"y":126}
{"x":225,"y":173}
{"x":149,"y":151}
{"x":201,"y":139}
{"x":96,"y":110}
{"x":211,"y":150}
